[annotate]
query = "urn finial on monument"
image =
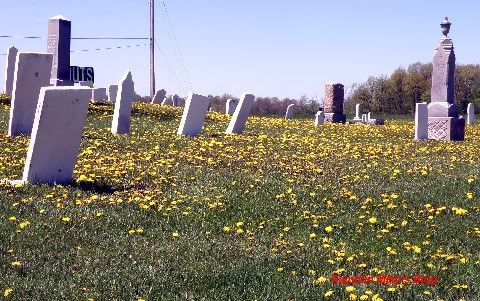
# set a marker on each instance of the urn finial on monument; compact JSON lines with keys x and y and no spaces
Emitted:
{"x":445,"y":25}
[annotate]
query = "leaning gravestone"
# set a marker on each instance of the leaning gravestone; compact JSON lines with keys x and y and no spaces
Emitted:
{"x":334,"y":96}
{"x":112,"y":93}
{"x":470,"y":114}
{"x":99,"y":94}
{"x":319,"y":118}
{"x":357,"y":117}
{"x":123,"y":105}
{"x":56,"y":135}
{"x":421,"y":121}
{"x":444,"y":122}
{"x":58,"y":44}
{"x":230,"y":107}
{"x":290,"y":111}
{"x":10,"y":69}
{"x":159,"y":97}
{"x":193,"y":116}
{"x":239,"y":118}
{"x":32,"y":71}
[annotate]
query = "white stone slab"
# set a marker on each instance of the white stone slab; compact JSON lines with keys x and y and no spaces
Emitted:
{"x":421,"y":121}
{"x":84,"y":84}
{"x":240,"y":116}
{"x":32,"y":71}
{"x":56,"y":135}
{"x":319,"y":118}
{"x":193,"y":116}
{"x":357,"y":117}
{"x":369,"y":116}
{"x":159,"y":97}
{"x":364,"y":118}
{"x":112,"y":93}
{"x":99,"y":94}
{"x":290,"y":111}
{"x":10,"y":69}
{"x":230,"y":107}
{"x":470,"y":114}
{"x":123,"y":105}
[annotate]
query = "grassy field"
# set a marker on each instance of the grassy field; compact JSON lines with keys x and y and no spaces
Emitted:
{"x":268,"y":215}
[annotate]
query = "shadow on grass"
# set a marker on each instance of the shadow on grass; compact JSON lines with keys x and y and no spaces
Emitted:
{"x":97,"y":187}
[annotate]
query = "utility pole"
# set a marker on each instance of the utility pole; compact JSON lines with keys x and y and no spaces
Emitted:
{"x":152,"y":48}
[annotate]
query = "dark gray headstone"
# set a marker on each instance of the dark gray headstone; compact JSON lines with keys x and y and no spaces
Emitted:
{"x":333,"y":103}
{"x":59,"y":36}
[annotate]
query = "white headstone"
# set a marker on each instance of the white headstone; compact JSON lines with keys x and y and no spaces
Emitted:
{"x":32,"y":71}
{"x":193,"y":116}
{"x":230,"y":107}
{"x":99,"y":94}
{"x":159,"y":97}
{"x":470,"y":114}
{"x":369,"y":116}
{"x":319,"y":118}
{"x":123,"y":105}
{"x":84,"y":84}
{"x":364,"y":118}
{"x":10,"y":69}
{"x":289,"y":113}
{"x":421,"y":121}
{"x":56,"y":135}
{"x":357,"y":117}
{"x":239,"y":118}
{"x":112,"y":93}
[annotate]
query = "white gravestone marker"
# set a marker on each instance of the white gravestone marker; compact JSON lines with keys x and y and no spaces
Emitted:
{"x":123,"y":105}
{"x":357,"y":117}
{"x":99,"y":94}
{"x":289,"y":113}
{"x":364,"y":118}
{"x":319,"y":118}
{"x":470,"y":114}
{"x":421,"y":121}
{"x":56,"y":135}
{"x":193,"y":116}
{"x":159,"y":97}
{"x":112,"y":93}
{"x":239,"y":118}
{"x":32,"y":71}
{"x":10,"y":69}
{"x":230,"y":107}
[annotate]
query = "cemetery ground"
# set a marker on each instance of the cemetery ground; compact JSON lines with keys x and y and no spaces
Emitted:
{"x":267,"y":215}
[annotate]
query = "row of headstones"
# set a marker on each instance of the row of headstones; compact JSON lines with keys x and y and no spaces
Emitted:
{"x":421,"y":119}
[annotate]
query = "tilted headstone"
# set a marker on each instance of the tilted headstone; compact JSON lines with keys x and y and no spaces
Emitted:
{"x":175,"y":100}
{"x":470,"y":114}
{"x":159,"y":96}
{"x":290,"y":111}
{"x":56,"y":135}
{"x":230,"y":107}
{"x":444,"y":122}
{"x":421,"y":121}
{"x":193,"y":116}
{"x":32,"y":71}
{"x":123,"y":105}
{"x":333,"y":104}
{"x":58,"y":44}
{"x":10,"y":69}
{"x":112,"y":93}
{"x":240,"y":116}
{"x":319,"y":118}
{"x":99,"y":94}
{"x":357,"y":117}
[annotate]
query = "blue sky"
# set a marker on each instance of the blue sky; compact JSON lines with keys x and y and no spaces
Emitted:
{"x":267,"y":47}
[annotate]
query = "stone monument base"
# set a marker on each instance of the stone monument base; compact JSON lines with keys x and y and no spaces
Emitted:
{"x":446,"y":128}
{"x":335,"y":117}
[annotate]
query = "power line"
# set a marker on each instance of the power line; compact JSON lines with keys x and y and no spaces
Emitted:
{"x":109,"y":48}
{"x":83,"y":38}
{"x":179,"y":83}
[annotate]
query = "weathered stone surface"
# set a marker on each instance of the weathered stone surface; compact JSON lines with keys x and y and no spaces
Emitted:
{"x":319,"y":118}
{"x":421,"y":121}
{"x":32,"y":71}
{"x":240,"y":116}
{"x":99,"y":94}
{"x":470,"y":114}
{"x":84,"y":84}
{"x":159,"y":97}
{"x":123,"y":105}
{"x":10,"y":69}
{"x":56,"y":135}
{"x":333,"y":103}
{"x":112,"y":93}
{"x":193,"y":116}
{"x":443,"y":118}
{"x":175,"y":100}
{"x":58,"y":44}
{"x":290,"y":111}
{"x":230,"y":107}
